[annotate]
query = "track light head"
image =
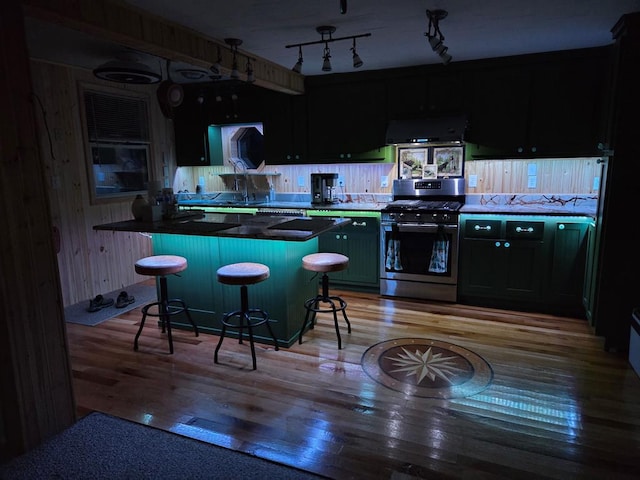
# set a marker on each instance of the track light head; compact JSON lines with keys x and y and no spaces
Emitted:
{"x":326,"y":64}
{"x":298,"y":66}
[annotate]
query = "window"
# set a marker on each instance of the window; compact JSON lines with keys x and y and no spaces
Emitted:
{"x":118,"y":144}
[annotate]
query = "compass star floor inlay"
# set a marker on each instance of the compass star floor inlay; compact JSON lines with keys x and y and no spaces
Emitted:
{"x":427,"y":368}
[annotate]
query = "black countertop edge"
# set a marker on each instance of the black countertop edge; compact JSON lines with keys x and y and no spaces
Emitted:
{"x":232,"y":225}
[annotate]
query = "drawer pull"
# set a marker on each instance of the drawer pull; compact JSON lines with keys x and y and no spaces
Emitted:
{"x":482,"y":227}
{"x":524,"y":230}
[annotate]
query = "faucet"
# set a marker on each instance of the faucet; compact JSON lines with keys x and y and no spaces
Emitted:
{"x":238,"y":163}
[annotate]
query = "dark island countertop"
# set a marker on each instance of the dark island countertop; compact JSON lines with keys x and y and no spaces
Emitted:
{"x":239,"y":225}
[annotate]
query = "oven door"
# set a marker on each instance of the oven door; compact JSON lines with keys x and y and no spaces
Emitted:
{"x":419,"y":252}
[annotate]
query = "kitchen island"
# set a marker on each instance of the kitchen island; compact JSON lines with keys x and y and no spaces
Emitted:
{"x":211,"y":240}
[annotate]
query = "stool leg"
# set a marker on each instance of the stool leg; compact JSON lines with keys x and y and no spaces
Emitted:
{"x":222,"y":333}
{"x":164,"y":310}
{"x":245,"y":316}
{"x":335,"y":321}
{"x":144,"y":316}
{"x":265,"y":316}
{"x":185,"y":309}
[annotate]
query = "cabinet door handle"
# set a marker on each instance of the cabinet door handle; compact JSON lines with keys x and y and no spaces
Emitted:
{"x":359,"y":224}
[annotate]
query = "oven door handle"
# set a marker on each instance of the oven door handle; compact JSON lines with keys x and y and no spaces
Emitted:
{"x":426,"y":227}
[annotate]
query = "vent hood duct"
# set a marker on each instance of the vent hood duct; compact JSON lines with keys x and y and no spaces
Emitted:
{"x":427,"y":129}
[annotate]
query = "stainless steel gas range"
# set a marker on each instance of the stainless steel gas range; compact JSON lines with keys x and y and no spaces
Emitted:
{"x":419,"y":239}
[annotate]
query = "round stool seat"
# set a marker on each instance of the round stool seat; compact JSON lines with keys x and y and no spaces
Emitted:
{"x":325,"y":262}
{"x":162,"y":266}
{"x":159,"y":265}
{"x":244,"y":273}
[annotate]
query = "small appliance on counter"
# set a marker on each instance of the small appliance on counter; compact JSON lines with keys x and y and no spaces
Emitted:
{"x":323,"y":188}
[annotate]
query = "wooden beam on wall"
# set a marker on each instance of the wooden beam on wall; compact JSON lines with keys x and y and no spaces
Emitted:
{"x":36,"y":396}
{"x":144,"y":32}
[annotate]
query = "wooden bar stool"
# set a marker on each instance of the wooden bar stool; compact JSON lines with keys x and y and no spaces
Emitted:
{"x":325,"y":262}
{"x":243,"y":274}
{"x":161,"y":266}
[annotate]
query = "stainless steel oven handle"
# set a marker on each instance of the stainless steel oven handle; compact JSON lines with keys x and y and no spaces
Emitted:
{"x":426,"y":227}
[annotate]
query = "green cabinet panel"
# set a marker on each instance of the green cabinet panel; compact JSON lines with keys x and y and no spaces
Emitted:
{"x":591,"y":267}
{"x":360,"y":241}
{"x":282,"y":295}
{"x":523,"y":262}
{"x":502,"y":269}
{"x":568,"y":264}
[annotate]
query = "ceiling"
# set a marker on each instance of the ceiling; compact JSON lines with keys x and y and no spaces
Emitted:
{"x":472,"y":30}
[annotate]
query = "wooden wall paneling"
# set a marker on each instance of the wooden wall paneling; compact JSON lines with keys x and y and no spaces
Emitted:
{"x":89,"y":262}
{"x":36,"y":396}
{"x":554,"y":176}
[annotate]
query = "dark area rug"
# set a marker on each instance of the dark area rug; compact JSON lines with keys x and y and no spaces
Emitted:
{"x":427,"y":368}
{"x":77,"y":313}
{"x":100,"y":446}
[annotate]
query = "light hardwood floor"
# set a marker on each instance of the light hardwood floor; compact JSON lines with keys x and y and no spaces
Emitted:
{"x":558,"y":406}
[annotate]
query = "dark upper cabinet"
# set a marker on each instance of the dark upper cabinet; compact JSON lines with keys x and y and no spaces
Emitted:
{"x":498,"y":113}
{"x":346,"y":121}
{"x":448,"y":92}
{"x":407,"y":96}
{"x":285,"y":128}
{"x":566,"y":107}
{"x":190,"y":133}
{"x":547,"y":107}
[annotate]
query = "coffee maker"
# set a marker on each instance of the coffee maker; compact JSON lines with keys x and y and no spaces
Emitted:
{"x":323,"y":187}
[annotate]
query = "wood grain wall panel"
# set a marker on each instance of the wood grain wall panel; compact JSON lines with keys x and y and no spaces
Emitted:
{"x":553,"y":176}
{"x":89,"y":262}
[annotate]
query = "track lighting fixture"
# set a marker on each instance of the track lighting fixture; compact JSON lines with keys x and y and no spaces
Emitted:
{"x":298,"y":66}
{"x":434,"y":35}
{"x":326,"y":31}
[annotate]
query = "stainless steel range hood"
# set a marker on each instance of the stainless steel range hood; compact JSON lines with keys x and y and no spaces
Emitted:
{"x":449,"y":128}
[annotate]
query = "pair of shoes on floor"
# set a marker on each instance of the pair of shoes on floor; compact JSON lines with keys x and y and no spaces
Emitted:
{"x":124,"y":299}
{"x":99,"y":303}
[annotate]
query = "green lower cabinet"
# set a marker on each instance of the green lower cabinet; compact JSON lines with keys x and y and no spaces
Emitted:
{"x":567,"y":278}
{"x":501,"y":269}
{"x":523,"y":262}
{"x":360,"y":241}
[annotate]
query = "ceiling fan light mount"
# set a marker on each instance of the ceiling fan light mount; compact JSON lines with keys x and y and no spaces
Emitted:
{"x":127,"y":70}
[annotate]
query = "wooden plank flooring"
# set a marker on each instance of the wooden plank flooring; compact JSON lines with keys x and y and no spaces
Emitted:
{"x":558,"y":406}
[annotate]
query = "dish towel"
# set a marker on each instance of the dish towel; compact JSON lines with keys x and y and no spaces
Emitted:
{"x":439,"y":254}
